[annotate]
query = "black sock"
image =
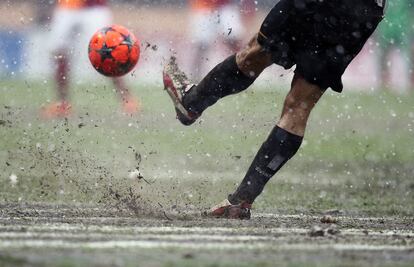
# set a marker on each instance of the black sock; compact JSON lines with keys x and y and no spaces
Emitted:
{"x":222,"y":80}
{"x":279,"y":147}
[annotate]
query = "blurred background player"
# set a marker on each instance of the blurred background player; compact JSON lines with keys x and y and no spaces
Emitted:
{"x":396,"y":33}
{"x":216,"y":20}
{"x":73,"y":23}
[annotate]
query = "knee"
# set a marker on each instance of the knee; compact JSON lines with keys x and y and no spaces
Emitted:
{"x":253,"y":59}
{"x":245,"y":56}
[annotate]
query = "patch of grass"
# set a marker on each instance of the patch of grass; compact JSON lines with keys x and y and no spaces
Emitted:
{"x":357,"y":154}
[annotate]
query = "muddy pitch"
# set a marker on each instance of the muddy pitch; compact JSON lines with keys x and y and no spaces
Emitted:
{"x":69,"y":231}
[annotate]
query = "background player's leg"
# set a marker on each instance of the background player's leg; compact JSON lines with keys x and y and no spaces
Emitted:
{"x":94,"y":18}
{"x":282,"y":143}
{"x":130,"y":105}
{"x":203,"y":32}
{"x":197,"y":61}
{"x":61,"y":76}
{"x":62,"y":29}
{"x":233,"y":75}
{"x":61,"y":107}
{"x":121,"y":88}
{"x":230,"y":27}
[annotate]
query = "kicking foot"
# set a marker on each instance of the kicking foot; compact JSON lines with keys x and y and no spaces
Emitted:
{"x":177,"y":85}
{"x":229,"y":211}
{"x":56,"y":110}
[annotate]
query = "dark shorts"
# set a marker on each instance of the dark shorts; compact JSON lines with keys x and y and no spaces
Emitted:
{"x":320,"y":37}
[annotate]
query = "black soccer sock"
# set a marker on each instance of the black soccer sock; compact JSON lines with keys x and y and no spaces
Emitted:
{"x":279,"y":147}
{"x":224,"y":79}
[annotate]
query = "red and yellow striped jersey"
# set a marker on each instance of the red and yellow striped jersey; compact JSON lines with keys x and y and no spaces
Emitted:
{"x":78,"y":4}
{"x":207,"y":4}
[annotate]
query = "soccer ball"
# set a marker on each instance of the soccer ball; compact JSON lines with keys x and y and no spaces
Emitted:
{"x":114,"y":51}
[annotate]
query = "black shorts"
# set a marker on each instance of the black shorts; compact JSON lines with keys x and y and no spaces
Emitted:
{"x":320,"y":37}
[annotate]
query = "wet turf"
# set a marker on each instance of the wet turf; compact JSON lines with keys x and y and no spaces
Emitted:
{"x":357,"y":159}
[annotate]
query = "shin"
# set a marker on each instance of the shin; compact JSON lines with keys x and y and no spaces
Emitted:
{"x":282,"y":143}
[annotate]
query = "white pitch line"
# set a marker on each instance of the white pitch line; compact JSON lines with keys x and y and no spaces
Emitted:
{"x":163,"y":237}
{"x":110,"y":229}
{"x":318,"y":217}
{"x":60,"y":244}
{"x":144,"y":229}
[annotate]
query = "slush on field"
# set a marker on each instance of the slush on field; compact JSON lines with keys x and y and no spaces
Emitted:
{"x":124,"y":123}
{"x":68,"y":198}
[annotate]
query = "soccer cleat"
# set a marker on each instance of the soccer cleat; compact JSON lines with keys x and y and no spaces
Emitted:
{"x":229,"y":211}
{"x":56,"y":110}
{"x":177,"y":85}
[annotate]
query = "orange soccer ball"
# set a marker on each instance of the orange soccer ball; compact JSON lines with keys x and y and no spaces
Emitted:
{"x":114,"y":51}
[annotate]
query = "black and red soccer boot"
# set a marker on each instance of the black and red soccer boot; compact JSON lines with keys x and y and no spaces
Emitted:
{"x":227,"y":210}
{"x":177,"y":85}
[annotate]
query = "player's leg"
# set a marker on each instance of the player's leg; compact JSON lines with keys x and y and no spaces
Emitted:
{"x":237,"y":72}
{"x":95,"y":18}
{"x":61,"y":59}
{"x":61,"y":108}
{"x":130,"y":104}
{"x":63,"y":24}
{"x":283,"y":142}
{"x":315,"y":72}
{"x":298,"y":105}
{"x":280,"y":146}
{"x":233,"y":75}
{"x":62,"y":44}
{"x":199,"y":56}
{"x":203,"y":25}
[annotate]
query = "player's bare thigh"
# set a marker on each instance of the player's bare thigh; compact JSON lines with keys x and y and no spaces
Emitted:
{"x":253,"y":59}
